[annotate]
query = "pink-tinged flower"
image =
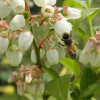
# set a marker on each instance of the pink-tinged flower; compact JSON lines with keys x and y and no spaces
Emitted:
{"x":72,"y":13}
{"x":5,"y":9}
{"x":18,"y":6}
{"x":20,"y":87}
{"x":12,"y":77}
{"x":28,"y":77}
{"x":47,"y":11}
{"x":61,"y":26}
{"x":90,"y":45}
{"x":95,"y":59}
{"x":52,"y":56}
{"x":4,"y":24}
{"x":84,"y":57}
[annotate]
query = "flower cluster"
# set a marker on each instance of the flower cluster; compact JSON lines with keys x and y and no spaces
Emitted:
{"x":91,"y":51}
{"x":29,"y":80}
{"x":14,"y":39}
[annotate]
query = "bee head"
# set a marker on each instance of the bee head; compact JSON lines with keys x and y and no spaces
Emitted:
{"x":65,"y":36}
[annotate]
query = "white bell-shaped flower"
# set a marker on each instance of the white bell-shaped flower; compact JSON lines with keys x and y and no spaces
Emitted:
{"x":84,"y":57}
{"x":5,"y":9}
{"x":47,"y":11}
{"x":41,"y":3}
{"x":18,"y":6}
{"x":61,"y":26}
{"x":94,"y":59}
{"x":14,"y":57}
{"x":30,"y":88}
{"x":33,"y":56}
{"x":40,"y":88}
{"x":73,"y":13}
{"x":4,"y":42}
{"x":61,"y":52}
{"x":52,"y":2}
{"x":25,"y":40}
{"x":52,"y":56}
{"x":17,"y":22}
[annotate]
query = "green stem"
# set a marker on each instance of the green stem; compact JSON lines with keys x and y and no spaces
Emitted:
{"x":90,"y":25}
{"x":36,"y":48}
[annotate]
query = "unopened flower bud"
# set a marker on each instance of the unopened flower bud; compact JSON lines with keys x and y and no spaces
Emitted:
{"x":41,"y":3}
{"x":12,"y":77}
{"x":52,"y":2}
{"x":20,"y":87}
{"x":94,"y":59}
{"x":18,"y":6}
{"x":30,"y":88}
{"x":61,"y":26}
{"x":28,"y":77}
{"x":72,"y":13}
{"x":84,"y":57}
{"x":98,"y":46}
{"x":40,"y":88}
{"x":5,"y":9}
{"x":17,"y":22}
{"x":14,"y":57}
{"x":90,"y":45}
{"x":33,"y":56}
{"x":47,"y":11}
{"x":3,"y":44}
{"x":25,"y":40}
{"x":52,"y":56}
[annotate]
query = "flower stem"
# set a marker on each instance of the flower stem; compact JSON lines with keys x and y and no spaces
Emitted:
{"x":37,"y":49}
{"x":27,"y":8}
{"x":90,"y":25}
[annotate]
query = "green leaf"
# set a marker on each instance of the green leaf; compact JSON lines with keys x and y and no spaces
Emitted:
{"x":90,"y":90}
{"x":72,"y":65}
{"x":96,"y":28}
{"x":52,"y":73}
{"x":91,"y":12}
{"x":40,"y":31}
{"x":94,"y":14}
{"x":88,"y":77}
{"x":83,"y":34}
{"x":89,"y":3}
{"x":75,"y":3}
{"x":59,"y":87}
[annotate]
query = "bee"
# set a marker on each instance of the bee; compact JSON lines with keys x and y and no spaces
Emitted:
{"x":70,"y":45}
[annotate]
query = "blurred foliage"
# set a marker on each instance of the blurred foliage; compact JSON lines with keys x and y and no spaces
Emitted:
{"x":6,"y":68}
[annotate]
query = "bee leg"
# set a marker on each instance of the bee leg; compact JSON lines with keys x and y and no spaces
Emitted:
{"x":61,"y":44}
{"x":62,"y":39}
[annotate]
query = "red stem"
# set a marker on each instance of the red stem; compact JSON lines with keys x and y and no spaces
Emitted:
{"x":42,"y":21}
{"x":41,"y":41}
{"x":27,"y":8}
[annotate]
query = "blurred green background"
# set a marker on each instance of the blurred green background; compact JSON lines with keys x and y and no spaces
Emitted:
{"x":8,"y":91}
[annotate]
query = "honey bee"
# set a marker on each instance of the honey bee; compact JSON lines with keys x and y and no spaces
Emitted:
{"x":69,"y":43}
